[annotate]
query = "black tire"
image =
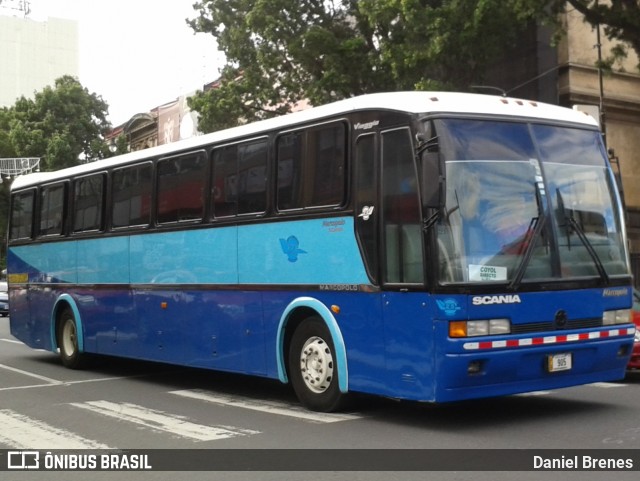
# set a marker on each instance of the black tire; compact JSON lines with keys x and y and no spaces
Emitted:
{"x":67,"y":336}
{"x":312,"y":367}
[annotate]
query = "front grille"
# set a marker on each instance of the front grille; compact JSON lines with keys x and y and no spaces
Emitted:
{"x":552,"y":326}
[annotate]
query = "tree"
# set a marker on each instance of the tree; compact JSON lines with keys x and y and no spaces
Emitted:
{"x":282,"y":51}
{"x":64,"y":125}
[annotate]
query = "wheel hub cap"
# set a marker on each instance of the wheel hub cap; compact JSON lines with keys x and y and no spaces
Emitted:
{"x":316,"y":365}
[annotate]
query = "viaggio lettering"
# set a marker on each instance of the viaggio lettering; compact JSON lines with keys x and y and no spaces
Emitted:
{"x":503,"y":299}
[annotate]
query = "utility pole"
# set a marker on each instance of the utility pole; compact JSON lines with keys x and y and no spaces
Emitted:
{"x":603,"y":127}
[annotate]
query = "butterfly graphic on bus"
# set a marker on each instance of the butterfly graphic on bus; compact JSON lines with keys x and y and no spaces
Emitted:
{"x":290,"y":247}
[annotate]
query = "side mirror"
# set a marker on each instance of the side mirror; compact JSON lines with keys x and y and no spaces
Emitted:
{"x":432,"y":180}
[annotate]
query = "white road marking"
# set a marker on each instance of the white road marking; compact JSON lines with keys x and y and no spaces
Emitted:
{"x":270,"y":407}
{"x":601,"y":385}
{"x":31,"y":374}
{"x":533,"y":393}
{"x":12,"y":341}
{"x":607,"y":385}
{"x":162,"y":421}
{"x":23,"y":432}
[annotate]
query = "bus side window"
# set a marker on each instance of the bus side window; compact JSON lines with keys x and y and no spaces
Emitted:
{"x":52,"y":208}
{"x":312,"y":167}
{"x":181,"y":183}
{"x":88,"y":203}
{"x":290,"y":186}
{"x":132,"y":196}
{"x":326,"y":167}
{"x":22,"y":216}
{"x":239,"y":179}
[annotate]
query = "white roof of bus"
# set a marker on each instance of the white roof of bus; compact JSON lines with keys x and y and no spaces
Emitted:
{"x":412,"y":102}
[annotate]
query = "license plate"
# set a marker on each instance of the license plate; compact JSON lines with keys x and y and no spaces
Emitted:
{"x":559,"y":362}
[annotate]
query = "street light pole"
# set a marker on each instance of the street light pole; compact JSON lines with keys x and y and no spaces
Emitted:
{"x":598,"y":45}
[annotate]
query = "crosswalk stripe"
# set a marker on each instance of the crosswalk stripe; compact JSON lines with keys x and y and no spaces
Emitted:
{"x":271,"y":407}
{"x":162,"y":421}
{"x":23,"y":432}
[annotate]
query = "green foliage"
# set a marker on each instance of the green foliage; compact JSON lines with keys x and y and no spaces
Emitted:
{"x":281,"y":51}
{"x":63,"y":124}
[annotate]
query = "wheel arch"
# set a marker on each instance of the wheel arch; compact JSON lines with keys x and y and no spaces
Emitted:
{"x":296,"y":312}
{"x":64,"y":301}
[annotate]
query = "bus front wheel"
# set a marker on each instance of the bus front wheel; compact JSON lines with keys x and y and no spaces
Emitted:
{"x":312,"y":367}
{"x":68,"y":340}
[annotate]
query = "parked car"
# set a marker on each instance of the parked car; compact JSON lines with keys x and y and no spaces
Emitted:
{"x":4,"y":299}
{"x":634,"y":362}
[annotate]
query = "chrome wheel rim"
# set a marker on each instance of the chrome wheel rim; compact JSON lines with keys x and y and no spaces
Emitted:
{"x":69,"y":338}
{"x":316,"y":365}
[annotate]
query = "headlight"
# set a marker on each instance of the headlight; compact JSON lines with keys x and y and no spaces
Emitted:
{"x":620,"y":316}
{"x":482,"y":327}
{"x":636,"y":338}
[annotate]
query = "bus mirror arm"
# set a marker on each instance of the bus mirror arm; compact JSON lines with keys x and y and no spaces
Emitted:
{"x":432,"y":180}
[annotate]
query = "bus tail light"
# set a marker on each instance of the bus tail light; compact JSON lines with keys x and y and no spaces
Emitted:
{"x":484,"y":327}
{"x":620,"y":316}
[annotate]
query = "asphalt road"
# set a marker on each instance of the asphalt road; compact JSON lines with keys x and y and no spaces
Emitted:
{"x":124,"y":404}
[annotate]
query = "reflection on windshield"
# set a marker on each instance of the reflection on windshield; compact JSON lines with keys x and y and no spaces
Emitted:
{"x":507,"y":180}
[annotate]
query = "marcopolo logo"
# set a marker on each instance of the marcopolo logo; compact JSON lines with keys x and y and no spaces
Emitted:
{"x":449,"y":306}
{"x":503,"y":299}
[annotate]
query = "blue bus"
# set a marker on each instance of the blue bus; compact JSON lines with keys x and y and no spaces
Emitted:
{"x":415,"y":245}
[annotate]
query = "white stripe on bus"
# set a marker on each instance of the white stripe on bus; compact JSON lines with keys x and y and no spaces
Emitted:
{"x":162,"y":421}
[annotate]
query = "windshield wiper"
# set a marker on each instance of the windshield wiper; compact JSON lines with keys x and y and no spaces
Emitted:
{"x":571,"y":222}
{"x":537,"y":223}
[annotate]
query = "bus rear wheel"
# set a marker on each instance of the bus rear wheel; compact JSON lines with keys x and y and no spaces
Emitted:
{"x":67,"y":335}
{"x":312,"y":367}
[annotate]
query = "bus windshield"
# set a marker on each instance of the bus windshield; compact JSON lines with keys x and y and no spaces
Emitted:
{"x":526,"y":202}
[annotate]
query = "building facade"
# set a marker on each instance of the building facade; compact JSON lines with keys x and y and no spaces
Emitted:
{"x":618,"y":93}
{"x":33,"y":54}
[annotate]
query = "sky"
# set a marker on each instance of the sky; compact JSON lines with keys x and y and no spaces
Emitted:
{"x":137,"y":54}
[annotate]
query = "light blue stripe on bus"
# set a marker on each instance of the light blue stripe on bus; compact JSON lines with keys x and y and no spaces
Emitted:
{"x":316,"y":251}
{"x":200,"y":256}
{"x":103,"y":261}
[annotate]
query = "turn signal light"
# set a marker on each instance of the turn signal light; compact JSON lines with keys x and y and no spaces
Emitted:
{"x":483,"y":327}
